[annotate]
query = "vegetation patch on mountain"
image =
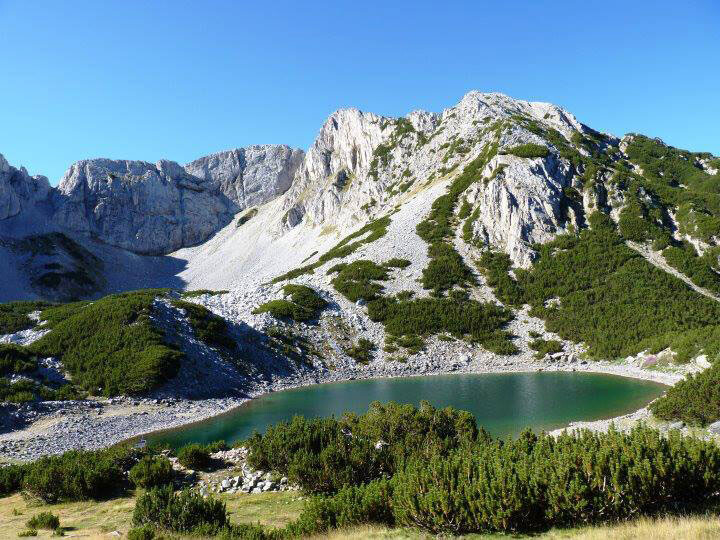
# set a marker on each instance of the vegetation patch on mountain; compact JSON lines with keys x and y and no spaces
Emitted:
{"x":362,"y":351}
{"x":544,"y":347}
{"x":675,"y":178}
{"x":304,"y":304}
{"x":471,"y":320}
{"x":447,"y":268}
{"x":684,"y":258}
{"x":15,"y":359}
{"x":110,"y":346}
{"x":365,"y":235}
{"x":583,"y":285}
{"x":202,"y":292}
{"x":529,"y":150}
{"x":694,"y":400}
{"x":60,"y":268}
{"x":358,"y":280}
{"x":207,"y":327}
{"x":14,"y":316}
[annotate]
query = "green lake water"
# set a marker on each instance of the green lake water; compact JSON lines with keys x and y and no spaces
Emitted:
{"x":503,"y":403}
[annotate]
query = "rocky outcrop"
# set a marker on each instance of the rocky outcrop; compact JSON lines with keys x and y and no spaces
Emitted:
{"x":143,"y":207}
{"x":249,"y":176}
{"x":19,"y":190}
{"x":363,"y":165}
{"x":158,"y":208}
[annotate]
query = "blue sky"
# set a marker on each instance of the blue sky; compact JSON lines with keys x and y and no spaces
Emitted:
{"x":178,"y":80}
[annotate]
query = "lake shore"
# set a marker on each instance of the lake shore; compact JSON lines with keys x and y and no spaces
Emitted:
{"x":55,"y":427}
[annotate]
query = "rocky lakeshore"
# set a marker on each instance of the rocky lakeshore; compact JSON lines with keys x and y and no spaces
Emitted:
{"x":55,"y":427}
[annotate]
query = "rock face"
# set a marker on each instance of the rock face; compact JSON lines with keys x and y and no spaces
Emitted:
{"x":361,"y":166}
{"x":19,"y":191}
{"x":158,"y":208}
{"x":249,"y":176}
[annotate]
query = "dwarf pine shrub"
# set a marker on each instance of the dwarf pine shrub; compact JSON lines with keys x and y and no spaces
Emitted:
{"x":208,"y":327}
{"x":194,"y":456}
{"x":76,"y":475}
{"x":151,"y":471}
{"x":44,"y":520}
{"x":529,"y":150}
{"x":182,"y":513}
{"x":304,"y":304}
{"x":324,"y":455}
{"x":14,"y":316}
{"x":111,"y":347}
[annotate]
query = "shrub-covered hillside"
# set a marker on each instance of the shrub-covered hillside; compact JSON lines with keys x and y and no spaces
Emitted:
{"x":112,"y":346}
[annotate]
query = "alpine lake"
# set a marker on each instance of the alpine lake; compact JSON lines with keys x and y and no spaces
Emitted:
{"x":503,"y":403}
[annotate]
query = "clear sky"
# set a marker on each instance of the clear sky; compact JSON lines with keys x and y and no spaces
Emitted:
{"x":178,"y":79}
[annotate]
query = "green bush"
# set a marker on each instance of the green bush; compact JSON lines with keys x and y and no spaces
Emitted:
{"x":538,"y":482}
{"x":27,"y":532}
{"x":11,"y":479}
{"x":110,"y":346}
{"x":16,"y":359}
{"x":529,"y":150}
{"x":362,"y":351}
{"x":145,"y":532}
{"x":182,"y":513}
{"x":305,"y":304}
{"x":351,"y":506}
{"x":202,"y":292}
{"x":324,"y":455}
{"x":446,"y":269}
{"x":208,"y":327}
{"x":696,"y":268}
{"x":44,"y":520}
{"x":695,"y":400}
{"x":76,"y":476}
{"x":151,"y":471}
{"x":396,"y":262}
{"x":358,"y":280}
{"x":465,"y":319}
{"x":495,"y":266}
{"x":194,"y":456}
{"x":20,"y":391}
{"x":545,"y":347}
{"x":14,"y":316}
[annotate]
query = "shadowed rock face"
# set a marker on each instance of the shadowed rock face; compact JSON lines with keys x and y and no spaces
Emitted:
{"x":18,"y":190}
{"x":152,"y":208}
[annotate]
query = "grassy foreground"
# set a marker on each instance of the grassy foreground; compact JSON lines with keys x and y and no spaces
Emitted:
{"x":97,"y":519}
